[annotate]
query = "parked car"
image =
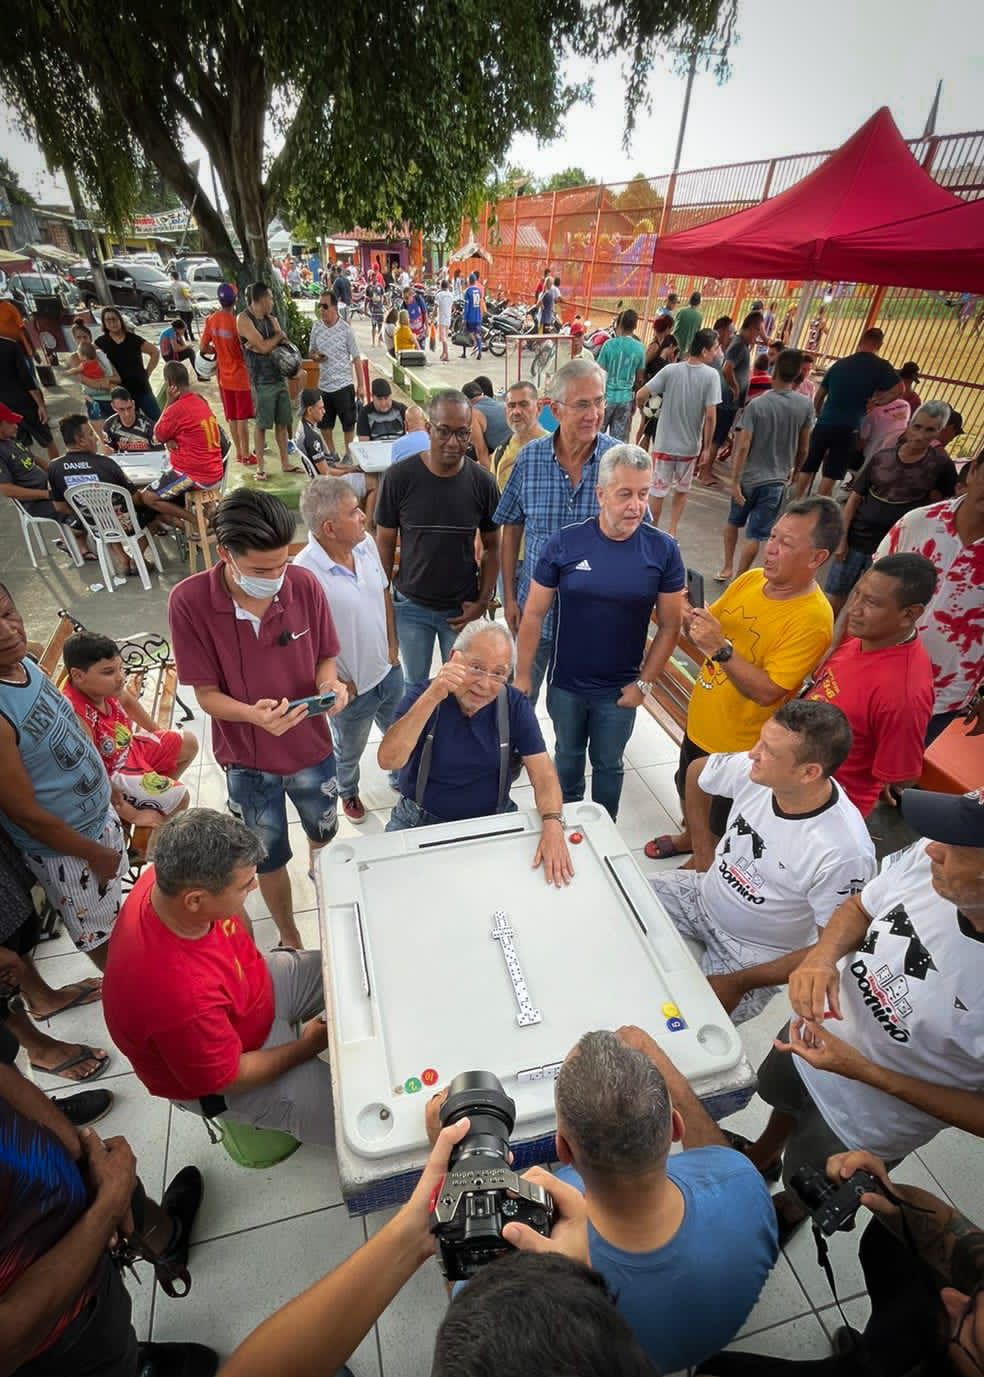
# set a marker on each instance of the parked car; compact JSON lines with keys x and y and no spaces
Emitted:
{"x":204,"y":277}
{"x":138,"y":286}
{"x":43,"y":284}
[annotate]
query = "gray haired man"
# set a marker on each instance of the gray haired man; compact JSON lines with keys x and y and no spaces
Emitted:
{"x":554,"y":483}
{"x":454,"y":738}
{"x":346,"y":563}
{"x":205,"y":1020}
{"x":607,"y":574}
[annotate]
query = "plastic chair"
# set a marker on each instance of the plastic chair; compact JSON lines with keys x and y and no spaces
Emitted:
{"x":95,"y":504}
{"x":257,"y":1148}
{"x":31,"y":529}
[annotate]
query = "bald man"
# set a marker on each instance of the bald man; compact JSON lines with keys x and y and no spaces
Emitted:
{"x":417,"y":438}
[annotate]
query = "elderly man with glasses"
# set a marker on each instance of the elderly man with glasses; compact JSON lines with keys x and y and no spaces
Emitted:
{"x":454,"y":737}
{"x":435,"y":502}
{"x":553,"y":484}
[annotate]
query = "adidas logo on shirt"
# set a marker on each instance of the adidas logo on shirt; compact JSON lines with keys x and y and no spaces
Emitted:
{"x":584,"y":565}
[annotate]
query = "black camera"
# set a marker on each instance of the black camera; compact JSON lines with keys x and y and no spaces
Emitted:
{"x":481,"y":1193}
{"x":833,"y":1206}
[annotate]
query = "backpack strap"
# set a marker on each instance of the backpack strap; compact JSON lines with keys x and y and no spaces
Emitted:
{"x":502,"y":718}
{"x":423,"y":768}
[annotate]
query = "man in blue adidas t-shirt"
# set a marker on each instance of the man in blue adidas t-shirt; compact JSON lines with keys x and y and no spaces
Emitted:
{"x":685,"y":1242}
{"x":607,"y":574}
{"x":473,"y":313}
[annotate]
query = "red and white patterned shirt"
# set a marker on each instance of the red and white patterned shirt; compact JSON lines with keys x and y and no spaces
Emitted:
{"x":952,"y":627}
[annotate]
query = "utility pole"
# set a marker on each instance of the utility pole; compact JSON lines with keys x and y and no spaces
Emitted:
{"x":691,"y":73}
{"x":84,"y":226}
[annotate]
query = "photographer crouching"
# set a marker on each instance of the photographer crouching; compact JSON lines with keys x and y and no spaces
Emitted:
{"x":923,"y":1265}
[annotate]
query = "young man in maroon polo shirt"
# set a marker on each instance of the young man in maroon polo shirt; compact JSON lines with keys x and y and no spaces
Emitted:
{"x":881,"y":678}
{"x":250,"y":635}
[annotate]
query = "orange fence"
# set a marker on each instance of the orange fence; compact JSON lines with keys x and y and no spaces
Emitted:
{"x":600,"y":240}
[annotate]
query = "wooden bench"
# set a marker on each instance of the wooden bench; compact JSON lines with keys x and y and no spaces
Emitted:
{"x":151,"y":676}
{"x":670,"y":698}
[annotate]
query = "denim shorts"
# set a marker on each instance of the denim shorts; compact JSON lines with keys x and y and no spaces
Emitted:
{"x":259,"y":800}
{"x":760,"y":509}
{"x":843,"y":574}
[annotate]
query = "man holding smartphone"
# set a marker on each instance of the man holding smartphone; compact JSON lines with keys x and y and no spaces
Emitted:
{"x":251,"y":635}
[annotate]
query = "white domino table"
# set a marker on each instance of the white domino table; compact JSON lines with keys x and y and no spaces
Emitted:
{"x":444,"y":951}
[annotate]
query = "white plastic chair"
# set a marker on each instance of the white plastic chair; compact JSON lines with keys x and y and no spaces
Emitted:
{"x":32,"y":530}
{"x":95,"y":505}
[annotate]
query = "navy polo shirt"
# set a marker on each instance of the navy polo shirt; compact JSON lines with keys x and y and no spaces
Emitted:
{"x":464,"y":772}
{"x":606,"y":590}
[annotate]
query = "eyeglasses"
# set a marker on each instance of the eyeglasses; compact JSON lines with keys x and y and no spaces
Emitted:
{"x":496,"y":675}
{"x":445,"y":433}
{"x":324,"y":305}
{"x":586,"y":404}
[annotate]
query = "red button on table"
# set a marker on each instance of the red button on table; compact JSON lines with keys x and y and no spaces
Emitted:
{"x":576,"y":838}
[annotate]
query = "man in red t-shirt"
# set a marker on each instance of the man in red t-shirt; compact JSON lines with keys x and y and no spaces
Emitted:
{"x":204,"y":1018}
{"x":881,"y":678}
{"x":190,"y":432}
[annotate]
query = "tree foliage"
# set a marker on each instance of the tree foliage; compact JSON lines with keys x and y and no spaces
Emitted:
{"x":395,"y":117}
{"x":15,"y":192}
{"x":565,"y":179}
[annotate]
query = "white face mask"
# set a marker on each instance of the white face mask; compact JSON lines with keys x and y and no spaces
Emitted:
{"x":255,"y":587}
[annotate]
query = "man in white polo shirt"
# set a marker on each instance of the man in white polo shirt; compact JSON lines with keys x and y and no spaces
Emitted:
{"x":887,"y":1033}
{"x":345,"y":562}
{"x":795,"y":846}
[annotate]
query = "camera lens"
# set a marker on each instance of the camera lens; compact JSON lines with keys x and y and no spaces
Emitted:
{"x":479,"y":1097}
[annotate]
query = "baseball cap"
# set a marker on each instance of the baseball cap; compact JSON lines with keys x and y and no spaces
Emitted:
{"x":227,"y":294}
{"x":13,"y":417}
{"x":310,"y":397}
{"x":954,"y":819}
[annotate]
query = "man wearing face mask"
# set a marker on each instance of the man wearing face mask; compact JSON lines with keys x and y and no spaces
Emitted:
{"x":251,"y":635}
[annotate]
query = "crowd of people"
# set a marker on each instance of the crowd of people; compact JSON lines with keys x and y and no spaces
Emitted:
{"x":511,"y":553}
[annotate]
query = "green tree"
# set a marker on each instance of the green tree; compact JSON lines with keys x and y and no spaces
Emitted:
{"x":564,"y":180}
{"x":15,"y":192}
{"x":324,"y":135}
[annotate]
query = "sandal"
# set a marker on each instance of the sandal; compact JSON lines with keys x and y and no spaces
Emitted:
{"x":84,"y":1053}
{"x":259,"y":477}
{"x":662,"y":848}
{"x":291,"y":468}
{"x":90,"y":992}
{"x":741,"y":1144}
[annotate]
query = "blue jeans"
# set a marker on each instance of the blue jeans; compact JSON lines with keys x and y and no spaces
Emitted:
{"x":147,"y":403}
{"x":353,"y":724}
{"x":595,"y":725}
{"x":417,"y":627}
{"x":408,"y":814}
{"x":540,"y":662}
{"x":258,"y":799}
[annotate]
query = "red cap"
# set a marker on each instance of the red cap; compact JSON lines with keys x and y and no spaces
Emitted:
{"x":14,"y":417}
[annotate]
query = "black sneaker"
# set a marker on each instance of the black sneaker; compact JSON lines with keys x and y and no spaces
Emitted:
{"x":176,"y":1360}
{"x":87,"y":1107}
{"x":181,"y":1201}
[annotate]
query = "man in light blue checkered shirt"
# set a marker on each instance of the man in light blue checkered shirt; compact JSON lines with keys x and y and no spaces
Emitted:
{"x":553,"y":484}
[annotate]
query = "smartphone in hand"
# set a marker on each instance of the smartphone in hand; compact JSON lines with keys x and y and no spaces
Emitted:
{"x":318,"y":702}
{"x":695,"y":588}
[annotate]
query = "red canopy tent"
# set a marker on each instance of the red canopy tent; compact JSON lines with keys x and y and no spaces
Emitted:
{"x":942,"y":251}
{"x":871,"y":180}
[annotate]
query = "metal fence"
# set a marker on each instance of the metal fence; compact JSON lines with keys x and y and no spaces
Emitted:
{"x":600,"y":240}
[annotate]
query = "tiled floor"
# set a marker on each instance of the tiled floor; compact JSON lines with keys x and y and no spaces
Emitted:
{"x":262,"y":1237}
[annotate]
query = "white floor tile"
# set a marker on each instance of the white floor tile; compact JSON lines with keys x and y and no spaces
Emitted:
{"x":240,"y":1281}
{"x":62,"y":945}
{"x":782,"y":1299}
{"x":659,"y":778}
{"x":266,"y":937}
{"x":797,"y":1339}
{"x":238,"y":1198}
{"x":954,"y":1159}
{"x":212,"y":791}
{"x":848,"y":1277}
{"x":858,"y":1312}
{"x":408,"y":1326}
{"x":640,"y":815}
{"x":650,"y":744}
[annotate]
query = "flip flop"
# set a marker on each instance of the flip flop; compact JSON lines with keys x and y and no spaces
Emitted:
{"x":292,"y":468}
{"x":261,"y":478}
{"x":741,"y":1144}
{"x":90,"y":993}
{"x":662,"y":848}
{"x":723,"y":577}
{"x":85,"y":1053}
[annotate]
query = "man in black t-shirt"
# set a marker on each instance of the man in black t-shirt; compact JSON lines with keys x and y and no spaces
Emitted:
{"x":23,"y":477}
{"x":435,"y":502}
{"x":128,"y":431}
{"x":82,"y":463}
{"x":382,"y":418}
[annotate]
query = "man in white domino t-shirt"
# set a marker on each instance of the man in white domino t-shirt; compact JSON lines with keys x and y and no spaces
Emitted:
{"x":794,"y":848}
{"x":899,"y":973}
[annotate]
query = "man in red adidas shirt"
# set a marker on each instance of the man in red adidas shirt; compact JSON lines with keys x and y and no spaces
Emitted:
{"x":206,"y":1020}
{"x":881,"y":678}
{"x":191,"y":433}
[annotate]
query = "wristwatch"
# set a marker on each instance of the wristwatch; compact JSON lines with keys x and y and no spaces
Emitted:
{"x":725,"y":653}
{"x":554,"y":817}
{"x":644,"y":686}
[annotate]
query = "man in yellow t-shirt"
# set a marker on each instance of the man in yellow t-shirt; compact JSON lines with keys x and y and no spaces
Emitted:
{"x":762,"y":638}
